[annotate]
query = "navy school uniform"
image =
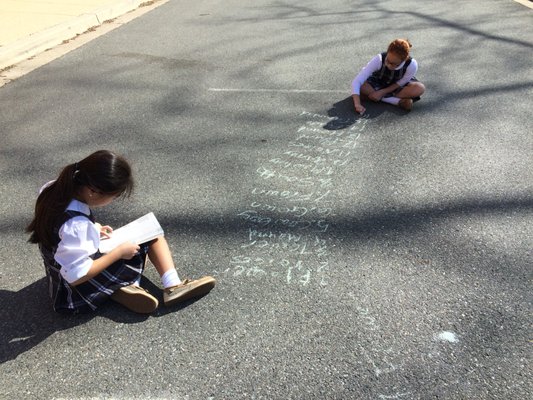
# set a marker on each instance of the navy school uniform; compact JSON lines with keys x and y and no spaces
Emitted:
{"x":88,"y":296}
{"x":385,"y":77}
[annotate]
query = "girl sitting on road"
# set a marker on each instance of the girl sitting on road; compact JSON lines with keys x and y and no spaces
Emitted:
{"x":80,"y":278}
{"x":389,"y":77}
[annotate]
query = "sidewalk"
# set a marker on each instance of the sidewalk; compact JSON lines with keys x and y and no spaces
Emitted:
{"x":29,"y":27}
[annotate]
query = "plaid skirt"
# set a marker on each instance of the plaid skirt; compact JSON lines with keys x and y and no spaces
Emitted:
{"x":88,"y":296}
{"x":378,"y":85}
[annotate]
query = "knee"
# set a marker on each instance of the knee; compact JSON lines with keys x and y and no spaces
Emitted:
{"x":420,"y":88}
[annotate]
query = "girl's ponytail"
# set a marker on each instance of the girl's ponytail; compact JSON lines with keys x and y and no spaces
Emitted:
{"x":103,"y":171}
{"x":51,"y":203}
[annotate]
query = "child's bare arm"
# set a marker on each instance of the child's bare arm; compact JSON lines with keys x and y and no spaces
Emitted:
{"x":357,"y":104}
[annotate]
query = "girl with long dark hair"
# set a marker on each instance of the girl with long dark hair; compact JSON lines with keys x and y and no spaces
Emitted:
{"x":80,"y":278}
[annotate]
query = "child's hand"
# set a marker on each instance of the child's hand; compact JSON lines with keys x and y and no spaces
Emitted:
{"x":127,"y":250}
{"x":105,"y":231}
{"x":360,"y":109}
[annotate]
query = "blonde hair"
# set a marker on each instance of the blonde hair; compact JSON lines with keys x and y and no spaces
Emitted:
{"x":400,"y":47}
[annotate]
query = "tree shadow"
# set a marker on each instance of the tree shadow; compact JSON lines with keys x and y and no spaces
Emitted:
{"x":344,"y":113}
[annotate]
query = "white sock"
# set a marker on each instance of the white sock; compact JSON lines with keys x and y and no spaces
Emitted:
{"x":170,"y":278}
{"x":391,"y":100}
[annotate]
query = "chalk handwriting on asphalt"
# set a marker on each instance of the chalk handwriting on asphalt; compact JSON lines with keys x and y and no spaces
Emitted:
{"x":285,"y":234}
{"x":286,"y":224}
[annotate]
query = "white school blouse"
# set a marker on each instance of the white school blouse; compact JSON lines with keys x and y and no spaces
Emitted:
{"x":79,"y":240}
{"x":375,"y":65}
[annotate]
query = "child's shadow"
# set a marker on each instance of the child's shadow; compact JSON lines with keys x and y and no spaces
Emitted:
{"x":344,"y":113}
{"x":28,"y":318}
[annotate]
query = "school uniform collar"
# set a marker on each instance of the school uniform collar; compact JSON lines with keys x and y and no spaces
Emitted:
{"x":76,"y":205}
{"x":400,"y":66}
{"x":383,"y":55}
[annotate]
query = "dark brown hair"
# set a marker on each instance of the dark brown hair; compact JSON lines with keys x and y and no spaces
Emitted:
{"x":400,"y":47}
{"x":102,"y":171}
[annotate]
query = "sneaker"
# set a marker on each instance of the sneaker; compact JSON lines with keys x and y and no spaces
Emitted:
{"x":136,"y":299}
{"x":187,"y":290}
{"x":406,"y":104}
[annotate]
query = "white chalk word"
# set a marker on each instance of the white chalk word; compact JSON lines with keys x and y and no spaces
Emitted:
{"x":294,"y":210}
{"x":292,"y":195}
{"x":302,"y":167}
{"x":337,"y":162}
{"x":292,"y":272}
{"x":287,"y":242}
{"x":315,"y":225}
{"x":267,"y":173}
{"x":321,"y":149}
{"x":348,"y":142}
{"x":314,"y":115}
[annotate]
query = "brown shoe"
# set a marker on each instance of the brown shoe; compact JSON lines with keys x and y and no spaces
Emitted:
{"x":136,"y":299}
{"x":187,"y":290}
{"x":406,"y":104}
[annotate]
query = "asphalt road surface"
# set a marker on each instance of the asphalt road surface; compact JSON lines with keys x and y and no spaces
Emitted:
{"x":383,"y":256}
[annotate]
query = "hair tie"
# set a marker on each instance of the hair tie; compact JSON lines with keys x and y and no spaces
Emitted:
{"x":76,"y":170}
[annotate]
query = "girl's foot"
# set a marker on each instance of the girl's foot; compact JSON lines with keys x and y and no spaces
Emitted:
{"x":406,"y":104}
{"x":187,"y":290}
{"x":136,"y":299}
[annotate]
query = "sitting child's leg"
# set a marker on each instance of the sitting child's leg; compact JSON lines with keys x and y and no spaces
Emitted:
{"x":175,"y":290}
{"x":159,"y":254}
{"x":366,"y":89}
{"x":127,"y":274}
{"x":404,"y":97}
{"x":411,"y":91}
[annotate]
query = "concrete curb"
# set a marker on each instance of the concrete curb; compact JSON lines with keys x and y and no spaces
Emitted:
{"x":527,"y":3}
{"x":41,"y":41}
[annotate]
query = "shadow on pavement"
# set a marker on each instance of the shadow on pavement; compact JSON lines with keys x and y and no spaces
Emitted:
{"x":344,"y":114}
{"x":28,"y":318}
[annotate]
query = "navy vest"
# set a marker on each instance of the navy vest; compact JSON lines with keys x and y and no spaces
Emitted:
{"x":56,"y":284}
{"x":387,"y":77}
